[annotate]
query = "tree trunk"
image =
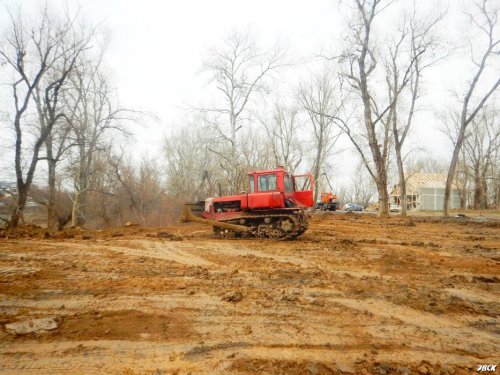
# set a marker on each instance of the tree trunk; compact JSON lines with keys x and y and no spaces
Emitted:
{"x":496,"y":200}
{"x":382,"y":193}
{"x":22,"y":196}
{"x":462,"y":196}
{"x":402,"y":183}
{"x":451,"y":171}
{"x":74,"y":210}
{"x":317,"y":166}
{"x":381,"y":178}
{"x":51,"y":202}
{"x":478,"y":188}
{"x":79,"y":205}
{"x":234,"y":159}
{"x":316,"y":185}
{"x":484,"y":203}
{"x":23,"y":187}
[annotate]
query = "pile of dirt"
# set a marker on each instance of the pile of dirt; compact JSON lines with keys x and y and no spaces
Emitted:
{"x":77,"y":233}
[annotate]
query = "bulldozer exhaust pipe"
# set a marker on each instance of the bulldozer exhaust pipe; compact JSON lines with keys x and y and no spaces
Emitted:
{"x":189,"y":217}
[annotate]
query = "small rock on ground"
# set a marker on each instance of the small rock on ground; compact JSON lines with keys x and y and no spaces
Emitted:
{"x":32,"y":326}
{"x":423,"y":370}
{"x":232,"y":297}
{"x":345,"y":369}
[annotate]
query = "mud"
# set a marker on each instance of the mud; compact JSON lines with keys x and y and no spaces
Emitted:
{"x":354,"y":295}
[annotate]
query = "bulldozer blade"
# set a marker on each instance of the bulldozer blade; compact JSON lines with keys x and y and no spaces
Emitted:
{"x":189,"y":217}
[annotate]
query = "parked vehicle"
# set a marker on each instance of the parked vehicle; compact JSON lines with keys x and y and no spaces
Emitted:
{"x":328,"y":202}
{"x":394,"y":208}
{"x":353,"y":207}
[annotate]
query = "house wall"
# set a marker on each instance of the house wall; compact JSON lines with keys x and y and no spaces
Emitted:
{"x":433,"y":199}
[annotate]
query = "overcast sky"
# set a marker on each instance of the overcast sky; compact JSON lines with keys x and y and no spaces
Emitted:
{"x":157,"y":48}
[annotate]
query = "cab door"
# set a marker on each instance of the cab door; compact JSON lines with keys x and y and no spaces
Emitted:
{"x":267,"y":195}
{"x":303,"y":189}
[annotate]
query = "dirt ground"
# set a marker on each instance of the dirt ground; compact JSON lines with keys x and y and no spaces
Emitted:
{"x":354,"y":295}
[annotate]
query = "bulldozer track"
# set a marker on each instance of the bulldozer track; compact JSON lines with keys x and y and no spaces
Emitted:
{"x":296,"y":231}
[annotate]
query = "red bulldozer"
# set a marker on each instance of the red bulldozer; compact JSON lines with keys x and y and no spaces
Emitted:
{"x":274,"y":207}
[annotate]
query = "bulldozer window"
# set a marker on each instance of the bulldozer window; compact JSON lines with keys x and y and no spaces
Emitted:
{"x":302,"y":183}
{"x":267,"y":182}
{"x":288,"y":184}
{"x":252,"y":184}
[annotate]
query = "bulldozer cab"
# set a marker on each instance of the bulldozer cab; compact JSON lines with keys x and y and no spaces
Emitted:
{"x":299,"y":188}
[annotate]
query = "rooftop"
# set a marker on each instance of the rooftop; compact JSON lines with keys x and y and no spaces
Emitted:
{"x":417,"y":181}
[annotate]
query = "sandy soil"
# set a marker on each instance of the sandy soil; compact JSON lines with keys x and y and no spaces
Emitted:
{"x":354,"y":295}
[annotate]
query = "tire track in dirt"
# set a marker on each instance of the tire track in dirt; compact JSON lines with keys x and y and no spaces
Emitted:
{"x":210,"y":357}
{"x":173,"y":251}
{"x":229,"y":249}
{"x":445,"y":328}
{"x":480,"y":296}
{"x":178,"y":253}
{"x":149,"y":303}
{"x":52,"y":358}
{"x":169,"y":251}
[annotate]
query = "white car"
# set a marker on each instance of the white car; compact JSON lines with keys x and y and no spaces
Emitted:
{"x":394,"y":208}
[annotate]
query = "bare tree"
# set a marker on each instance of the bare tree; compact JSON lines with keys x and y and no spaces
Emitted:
{"x":191,"y":169}
{"x":239,"y":69}
{"x":282,"y":130}
{"x":462,"y":181}
{"x":407,"y":57}
{"x":362,"y":186}
{"x":425,"y":164}
{"x":256,"y":152}
{"x":94,"y":117}
{"x":318,"y":98}
{"x":62,"y":205}
{"x":480,"y":146}
{"x":486,"y":23}
{"x":53,"y":114}
{"x":142,"y":185}
{"x":102,"y":198}
{"x":359,"y":62}
{"x":495,"y":179}
{"x":40,"y":58}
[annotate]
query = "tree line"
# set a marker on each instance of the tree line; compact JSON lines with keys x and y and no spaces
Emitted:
{"x":368,"y":90}
{"x":62,"y":112}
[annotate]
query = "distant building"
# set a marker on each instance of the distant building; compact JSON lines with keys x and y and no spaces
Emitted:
{"x":8,"y":187}
{"x":425,"y":191}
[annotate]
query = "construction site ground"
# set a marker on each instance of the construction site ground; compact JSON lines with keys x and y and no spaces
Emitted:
{"x":355,"y":294}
